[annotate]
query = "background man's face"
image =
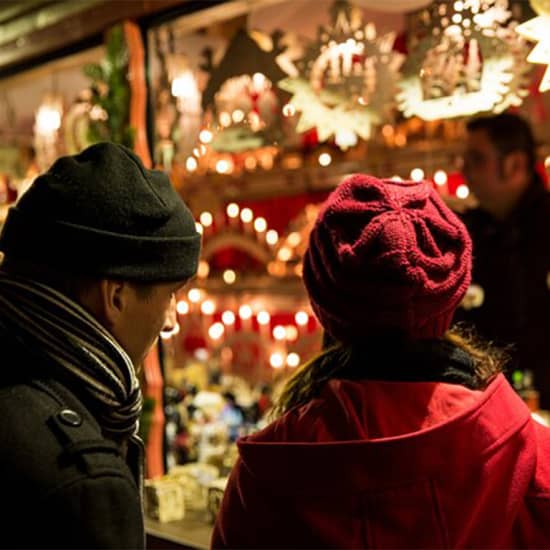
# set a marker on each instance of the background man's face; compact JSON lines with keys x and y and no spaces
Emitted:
{"x":483,"y":167}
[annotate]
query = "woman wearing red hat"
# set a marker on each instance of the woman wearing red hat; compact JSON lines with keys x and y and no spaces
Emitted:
{"x":403,"y":434}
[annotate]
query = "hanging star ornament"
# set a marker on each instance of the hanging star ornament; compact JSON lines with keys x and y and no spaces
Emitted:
{"x":538,"y":30}
{"x":327,"y":111}
{"x":346,"y":78}
{"x":465,"y":58}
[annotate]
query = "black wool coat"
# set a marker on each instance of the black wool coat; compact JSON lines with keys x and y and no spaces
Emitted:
{"x":512,"y":265}
{"x":63,"y":484}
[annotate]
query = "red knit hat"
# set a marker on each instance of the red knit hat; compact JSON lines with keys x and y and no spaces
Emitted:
{"x":386,"y":255}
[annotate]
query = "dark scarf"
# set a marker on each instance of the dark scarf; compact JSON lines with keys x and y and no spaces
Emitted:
{"x":78,"y":347}
{"x":414,"y":361}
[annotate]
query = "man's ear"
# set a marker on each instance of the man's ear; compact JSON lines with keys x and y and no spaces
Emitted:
{"x":113,"y":299}
{"x":515,"y":167}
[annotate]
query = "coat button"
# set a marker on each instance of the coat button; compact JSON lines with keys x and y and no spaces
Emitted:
{"x":70,"y":417}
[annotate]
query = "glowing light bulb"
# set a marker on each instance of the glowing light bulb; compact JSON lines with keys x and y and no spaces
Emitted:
{"x":208,"y":307}
{"x":225,"y":119}
{"x":246,"y":215}
{"x":325,"y":159}
{"x":203,"y":269}
{"x":206,"y":136}
{"x":440,"y":177}
{"x":182,"y":307}
{"x":417,"y":174}
{"x":216,"y":331}
{"x":401,"y":139}
{"x":202,"y":354}
{"x":194,"y":295}
{"x":462,"y":191}
{"x":387,"y":130}
{"x":229,"y":276}
{"x":263,"y":317}
{"x":279,"y":332}
{"x":291,"y":333}
{"x":223,"y":166}
{"x":301,"y":318}
{"x":345,"y":138}
{"x":260,"y":225}
{"x":250,"y":162}
{"x":272,"y":237}
{"x":245,"y":312}
{"x":293,"y":360}
{"x":258,"y":80}
{"x":294,"y":238}
{"x":276,"y":360}
{"x":232,"y":210}
{"x":184,"y":86}
{"x":237,"y":115}
{"x":48,"y":120}
{"x":284,"y":254}
{"x":228,"y":317}
{"x":206,"y":219}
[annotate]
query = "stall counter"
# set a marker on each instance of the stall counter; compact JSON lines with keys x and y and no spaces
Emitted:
{"x":193,"y":531}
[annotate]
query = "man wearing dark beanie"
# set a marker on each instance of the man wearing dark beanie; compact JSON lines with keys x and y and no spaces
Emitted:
{"x":403,"y":433}
{"x":94,"y":253}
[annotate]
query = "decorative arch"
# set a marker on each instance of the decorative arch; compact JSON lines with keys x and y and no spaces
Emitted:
{"x":237,"y":241}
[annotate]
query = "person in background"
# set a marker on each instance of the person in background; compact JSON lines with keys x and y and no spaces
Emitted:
{"x":403,"y":433}
{"x":231,"y":415}
{"x":264,"y":401}
{"x":510,"y":230}
{"x":93,"y":252}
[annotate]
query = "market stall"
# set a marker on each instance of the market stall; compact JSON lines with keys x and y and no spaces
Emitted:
{"x":257,"y":110}
{"x":258,"y":115}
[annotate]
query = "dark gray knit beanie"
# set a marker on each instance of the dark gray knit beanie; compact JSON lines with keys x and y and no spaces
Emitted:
{"x":102,"y":213}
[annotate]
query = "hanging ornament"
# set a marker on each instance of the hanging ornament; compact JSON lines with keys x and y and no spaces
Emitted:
{"x":538,"y":30}
{"x":465,"y":58}
{"x":240,"y":96}
{"x":47,"y":124}
{"x":178,"y":122}
{"x":346,"y":78}
{"x":246,"y":106}
{"x":76,"y":122}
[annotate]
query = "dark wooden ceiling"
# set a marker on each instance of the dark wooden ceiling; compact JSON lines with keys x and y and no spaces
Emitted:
{"x":34,"y":30}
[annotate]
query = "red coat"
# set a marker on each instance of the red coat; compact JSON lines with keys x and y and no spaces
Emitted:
{"x":375,"y":464}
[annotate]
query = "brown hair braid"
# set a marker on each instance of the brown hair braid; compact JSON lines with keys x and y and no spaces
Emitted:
{"x":307,"y":382}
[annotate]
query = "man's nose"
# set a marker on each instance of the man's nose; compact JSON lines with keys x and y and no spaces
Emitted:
{"x":170,"y":317}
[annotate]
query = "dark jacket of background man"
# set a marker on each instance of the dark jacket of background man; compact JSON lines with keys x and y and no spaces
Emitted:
{"x":510,"y":231}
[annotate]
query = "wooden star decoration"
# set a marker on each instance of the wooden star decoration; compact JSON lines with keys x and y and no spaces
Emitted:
{"x":465,"y":59}
{"x":538,"y":30}
{"x":346,"y":80}
{"x":242,"y":57}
